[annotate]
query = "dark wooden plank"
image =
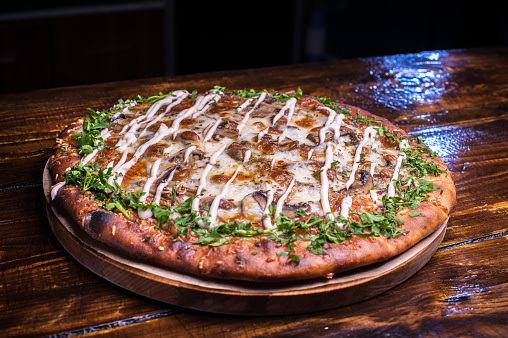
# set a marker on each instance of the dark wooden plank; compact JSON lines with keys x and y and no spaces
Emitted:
{"x":447,"y":298}
{"x":22,"y":164}
{"x":43,"y":289}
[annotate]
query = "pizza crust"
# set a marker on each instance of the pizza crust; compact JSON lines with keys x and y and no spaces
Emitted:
{"x":252,"y":258}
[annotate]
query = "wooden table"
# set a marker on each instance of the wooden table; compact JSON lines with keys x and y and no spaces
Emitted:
{"x":456,"y":100}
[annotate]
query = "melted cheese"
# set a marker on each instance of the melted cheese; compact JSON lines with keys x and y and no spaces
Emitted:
{"x":305,"y":186}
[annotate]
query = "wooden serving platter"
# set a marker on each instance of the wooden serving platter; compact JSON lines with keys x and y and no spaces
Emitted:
{"x":236,"y":297}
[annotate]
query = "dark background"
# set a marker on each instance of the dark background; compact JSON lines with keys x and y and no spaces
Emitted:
{"x":47,"y":44}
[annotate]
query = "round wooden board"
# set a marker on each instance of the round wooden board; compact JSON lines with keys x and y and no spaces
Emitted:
{"x":237,"y":297}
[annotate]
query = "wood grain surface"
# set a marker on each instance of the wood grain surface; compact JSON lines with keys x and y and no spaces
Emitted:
{"x":456,"y":100}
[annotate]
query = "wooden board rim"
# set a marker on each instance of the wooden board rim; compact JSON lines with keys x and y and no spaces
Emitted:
{"x":237,"y":297}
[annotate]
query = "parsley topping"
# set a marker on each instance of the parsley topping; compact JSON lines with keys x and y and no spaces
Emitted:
{"x":318,"y":231}
{"x":90,"y":139}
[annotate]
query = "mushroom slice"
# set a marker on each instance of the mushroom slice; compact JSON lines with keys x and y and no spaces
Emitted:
{"x":314,"y":137}
{"x":362,"y":184}
{"x":165,"y":176}
{"x":223,"y":204}
{"x":179,"y":189}
{"x":353,"y":138}
{"x":267,"y":107}
{"x":236,"y":151}
{"x":253,"y":206}
{"x":196,"y":155}
{"x":389,"y":161}
{"x":329,"y":135}
{"x":289,"y":210}
{"x":226,"y":128}
{"x":287,"y":145}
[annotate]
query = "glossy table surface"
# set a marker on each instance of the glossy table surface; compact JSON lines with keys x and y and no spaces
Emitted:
{"x":456,"y":100}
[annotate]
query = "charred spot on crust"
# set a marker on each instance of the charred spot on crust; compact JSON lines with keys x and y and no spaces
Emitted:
{"x":98,"y":221}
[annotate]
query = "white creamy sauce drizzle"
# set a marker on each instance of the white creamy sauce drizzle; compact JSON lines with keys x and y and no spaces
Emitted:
{"x":55,"y":188}
{"x":261,"y":98}
{"x":274,"y":159}
{"x":290,"y":104}
{"x":202,"y":179}
{"x":402,"y":156}
{"x":210,"y":132}
{"x":331,"y":126}
{"x":173,"y":100}
{"x":267,"y":220}
{"x":344,"y":208}
{"x":128,"y":138}
{"x":331,"y":115}
{"x":247,"y":156}
{"x":154,"y":108}
{"x":188,"y":151}
{"x":261,"y":134}
{"x":168,"y":149}
{"x":214,"y":207}
{"x":325,"y":203}
{"x":241,"y":107}
{"x":372,"y":168}
{"x":146,"y":189}
{"x":121,"y":168}
{"x":309,"y":154}
{"x":137,"y":120}
{"x":375,"y":197}
{"x":368,"y":137}
{"x":282,"y":199}
{"x":204,"y":103}
{"x":282,"y":136}
{"x":161,"y":186}
{"x":180,"y":117}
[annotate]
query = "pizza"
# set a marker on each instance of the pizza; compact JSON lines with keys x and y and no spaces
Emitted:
{"x":247,"y":184}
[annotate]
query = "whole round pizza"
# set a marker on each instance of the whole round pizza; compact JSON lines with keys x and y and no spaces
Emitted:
{"x":249,"y":185}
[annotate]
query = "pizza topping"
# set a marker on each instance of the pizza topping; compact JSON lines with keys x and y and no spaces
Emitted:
{"x":362,"y":184}
{"x":251,"y":163}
